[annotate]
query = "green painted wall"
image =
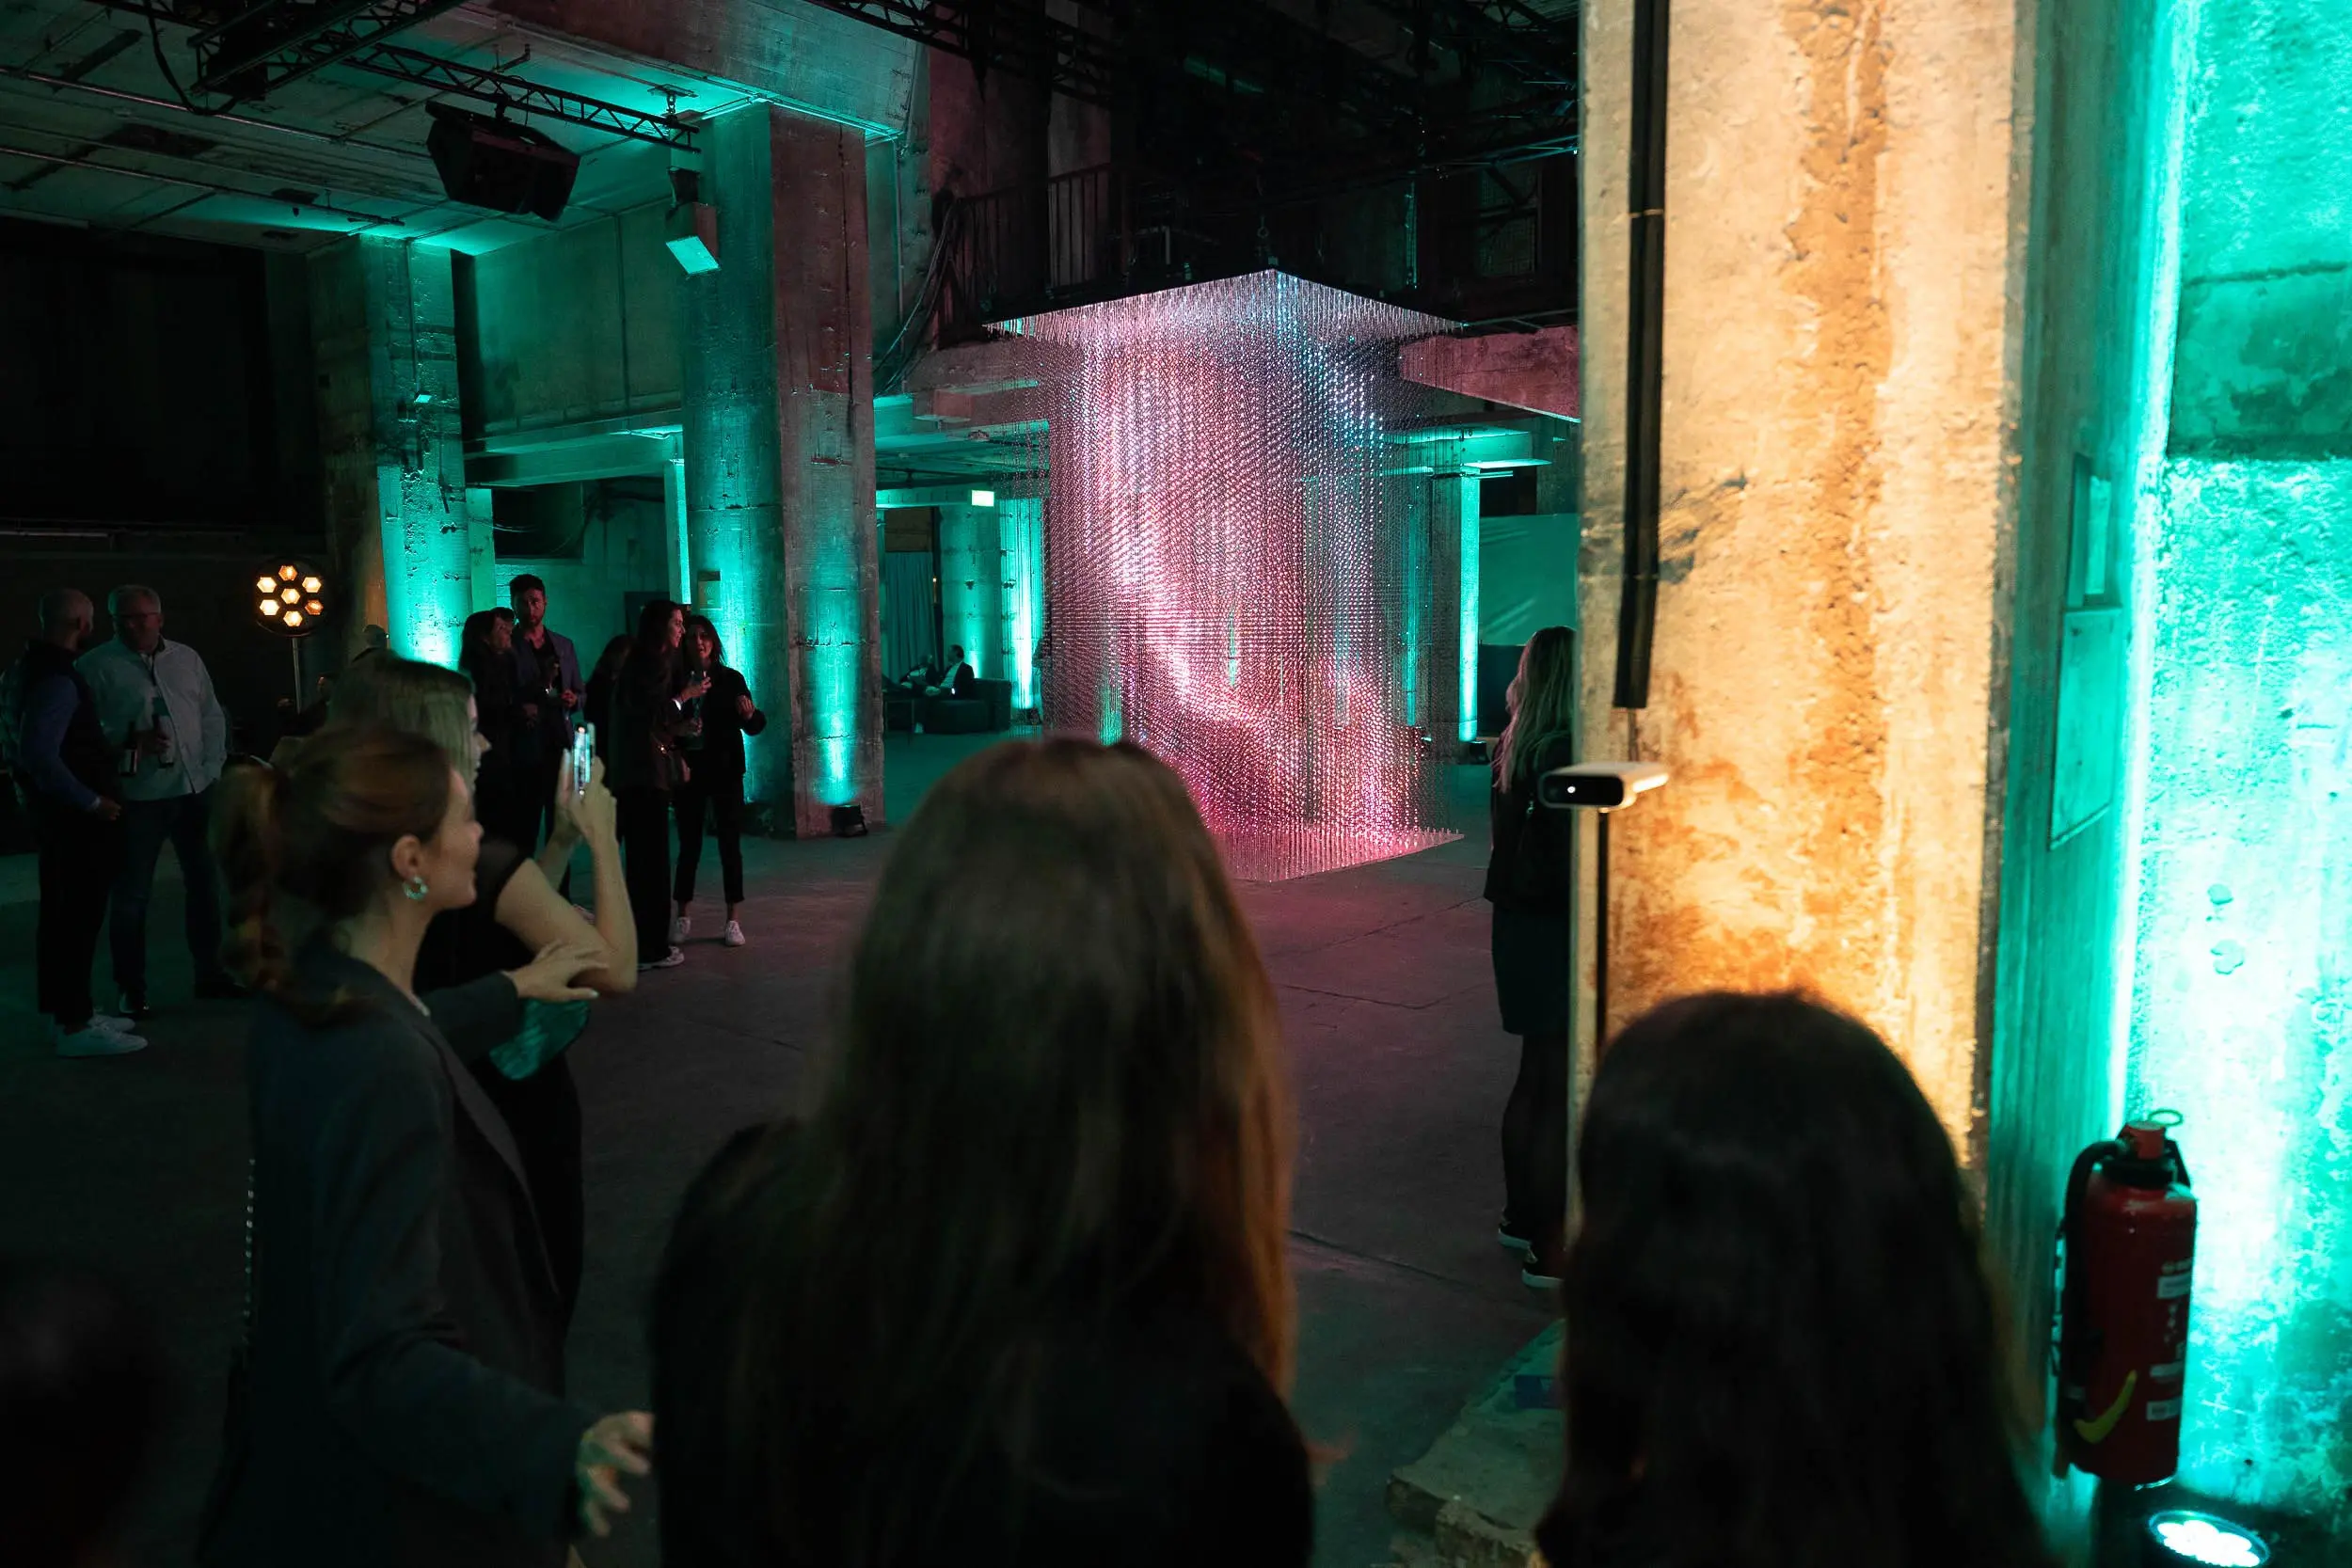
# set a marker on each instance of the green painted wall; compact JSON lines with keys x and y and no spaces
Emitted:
{"x":2241,"y":786}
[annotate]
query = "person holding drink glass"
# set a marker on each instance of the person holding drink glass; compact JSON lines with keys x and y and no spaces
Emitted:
{"x":157,"y":707}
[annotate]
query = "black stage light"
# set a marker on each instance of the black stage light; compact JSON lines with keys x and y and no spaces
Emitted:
{"x":500,"y":164}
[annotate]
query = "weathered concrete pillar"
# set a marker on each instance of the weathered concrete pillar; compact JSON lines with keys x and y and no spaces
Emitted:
{"x":971,"y":586}
{"x":779,"y":455}
{"x":1841,"y":310}
{"x":408,"y":547}
{"x":1021,"y":555}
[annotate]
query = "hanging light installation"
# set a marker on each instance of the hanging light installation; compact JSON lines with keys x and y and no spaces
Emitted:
{"x":1239,"y":577}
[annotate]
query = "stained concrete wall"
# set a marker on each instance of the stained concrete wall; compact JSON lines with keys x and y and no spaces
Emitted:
{"x":575,"y":327}
{"x":2104,"y":91}
{"x":623,"y":550}
{"x":402,"y":538}
{"x":1839,"y":321}
{"x":2242,"y":963}
{"x":779,"y":453}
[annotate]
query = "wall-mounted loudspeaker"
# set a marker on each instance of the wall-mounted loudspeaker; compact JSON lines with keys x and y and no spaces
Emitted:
{"x":500,"y":164}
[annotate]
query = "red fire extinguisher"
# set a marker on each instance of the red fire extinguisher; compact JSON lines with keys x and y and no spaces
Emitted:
{"x":2129,"y":1230}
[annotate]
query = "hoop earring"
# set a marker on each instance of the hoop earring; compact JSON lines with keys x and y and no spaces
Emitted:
{"x":416,"y":888}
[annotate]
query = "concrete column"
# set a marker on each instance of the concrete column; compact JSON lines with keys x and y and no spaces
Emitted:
{"x":1841,"y":312}
{"x":404,"y":541}
{"x":1021,"y":552}
{"x":1454,"y":500}
{"x":779,"y":455}
{"x":971,"y":586}
{"x":674,"y":528}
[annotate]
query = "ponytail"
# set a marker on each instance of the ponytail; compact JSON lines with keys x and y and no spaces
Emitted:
{"x":247,"y":831}
{"x":316,"y":832}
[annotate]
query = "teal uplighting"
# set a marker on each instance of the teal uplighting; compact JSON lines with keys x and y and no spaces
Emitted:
{"x":1021,"y":524}
{"x":428,"y":569}
{"x":1467,"y":728}
{"x":2240,"y":782}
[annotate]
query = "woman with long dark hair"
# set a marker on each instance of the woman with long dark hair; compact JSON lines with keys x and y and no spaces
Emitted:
{"x":1019,"y":1292}
{"x":595,"y":703}
{"x":1528,"y":881}
{"x":713,"y":788}
{"x":519,"y":912}
{"x":404,"y":1367}
{"x":650,"y":696}
{"x":1782,"y":1349}
{"x":485,"y":657}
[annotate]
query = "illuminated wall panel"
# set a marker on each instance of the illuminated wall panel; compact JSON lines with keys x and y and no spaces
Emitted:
{"x":1021,"y":534}
{"x":1235,"y":578}
{"x":2244,"y":971}
{"x":2241,"y":782}
{"x":384,"y":334}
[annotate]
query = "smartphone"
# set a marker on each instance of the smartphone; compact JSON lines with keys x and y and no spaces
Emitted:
{"x":583,"y":759}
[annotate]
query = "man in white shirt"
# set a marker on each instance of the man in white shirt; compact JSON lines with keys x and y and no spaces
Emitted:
{"x":157,"y":710}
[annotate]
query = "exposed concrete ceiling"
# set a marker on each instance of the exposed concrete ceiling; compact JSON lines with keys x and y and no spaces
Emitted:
{"x":93,"y":133}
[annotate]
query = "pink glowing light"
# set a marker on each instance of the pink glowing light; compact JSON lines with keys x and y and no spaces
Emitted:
{"x":1239,"y":574}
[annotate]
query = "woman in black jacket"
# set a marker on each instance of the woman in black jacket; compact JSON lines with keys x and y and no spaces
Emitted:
{"x":403,"y":1401}
{"x":1528,"y":881}
{"x":713,"y":746}
{"x":651,"y":692}
{"x":1019,"y":1294}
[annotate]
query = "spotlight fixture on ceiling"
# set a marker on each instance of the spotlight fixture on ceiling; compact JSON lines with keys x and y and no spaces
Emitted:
{"x":691,"y":229}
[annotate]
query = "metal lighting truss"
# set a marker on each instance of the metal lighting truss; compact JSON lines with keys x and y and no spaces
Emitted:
{"x":1302,"y":85}
{"x":247,"y":55}
{"x":512,"y":94}
{"x":253,"y":52}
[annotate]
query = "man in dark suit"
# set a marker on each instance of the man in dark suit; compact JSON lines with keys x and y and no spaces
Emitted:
{"x":957,"y":681}
{"x":548,"y":688}
{"x":67,"y":778}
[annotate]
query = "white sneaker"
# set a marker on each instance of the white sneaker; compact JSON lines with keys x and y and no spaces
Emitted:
{"x":112,"y":1022}
{"x":91,"y":1041}
{"x":671,"y":959}
{"x":734,"y":937}
{"x":679,"y":929}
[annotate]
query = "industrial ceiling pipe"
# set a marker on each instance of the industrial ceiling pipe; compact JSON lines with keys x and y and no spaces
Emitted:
{"x":1637,"y":614}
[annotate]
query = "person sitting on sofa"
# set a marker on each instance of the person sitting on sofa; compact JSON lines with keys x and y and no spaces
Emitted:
{"x":957,"y":681}
{"x":917,"y":681}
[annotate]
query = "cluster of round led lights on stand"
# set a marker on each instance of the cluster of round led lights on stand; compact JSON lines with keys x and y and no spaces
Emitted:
{"x":291,"y":597}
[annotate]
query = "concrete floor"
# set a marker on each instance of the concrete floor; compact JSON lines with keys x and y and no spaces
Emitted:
{"x":1408,"y":1307}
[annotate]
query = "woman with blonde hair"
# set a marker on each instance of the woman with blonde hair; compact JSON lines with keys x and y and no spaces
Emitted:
{"x":519,"y":912}
{"x":1019,"y":1292}
{"x":1528,"y":882}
